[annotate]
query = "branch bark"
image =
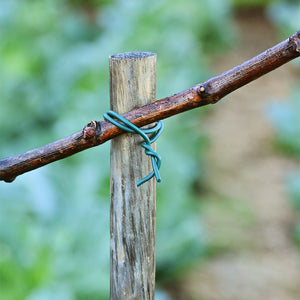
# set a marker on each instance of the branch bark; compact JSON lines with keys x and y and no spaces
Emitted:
{"x":208,"y":92}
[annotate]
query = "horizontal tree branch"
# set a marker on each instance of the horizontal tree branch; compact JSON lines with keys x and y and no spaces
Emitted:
{"x":208,"y":92}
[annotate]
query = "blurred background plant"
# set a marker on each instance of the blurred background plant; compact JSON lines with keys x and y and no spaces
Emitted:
{"x":284,"y":116}
{"x":54,"y":222}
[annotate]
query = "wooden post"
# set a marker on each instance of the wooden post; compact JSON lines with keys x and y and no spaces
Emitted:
{"x":133,"y":209}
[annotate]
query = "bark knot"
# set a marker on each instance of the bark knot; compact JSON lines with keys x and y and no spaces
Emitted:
{"x":91,"y":130}
{"x":295,"y":38}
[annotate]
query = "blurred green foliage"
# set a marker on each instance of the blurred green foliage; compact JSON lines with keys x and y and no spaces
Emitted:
{"x":285,"y":119}
{"x":54,"y":221}
{"x":293,"y":188}
{"x":286,"y":15}
{"x":285,"y":115}
{"x":249,"y":3}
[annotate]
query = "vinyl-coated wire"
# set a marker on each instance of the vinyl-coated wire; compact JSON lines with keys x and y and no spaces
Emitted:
{"x":126,"y":125}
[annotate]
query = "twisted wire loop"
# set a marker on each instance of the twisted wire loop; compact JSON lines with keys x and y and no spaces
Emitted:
{"x":126,"y":125}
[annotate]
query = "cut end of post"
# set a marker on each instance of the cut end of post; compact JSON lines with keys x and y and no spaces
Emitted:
{"x":132,"y":55}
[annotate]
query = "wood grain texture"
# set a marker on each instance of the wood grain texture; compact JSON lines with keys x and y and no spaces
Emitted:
{"x":132,"y":215}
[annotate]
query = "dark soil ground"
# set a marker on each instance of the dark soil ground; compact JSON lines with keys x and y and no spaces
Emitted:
{"x":247,"y":214}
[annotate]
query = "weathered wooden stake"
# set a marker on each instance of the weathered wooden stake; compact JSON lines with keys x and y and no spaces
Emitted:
{"x":133,"y":209}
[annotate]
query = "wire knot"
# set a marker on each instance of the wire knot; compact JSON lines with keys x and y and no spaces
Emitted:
{"x":126,"y":125}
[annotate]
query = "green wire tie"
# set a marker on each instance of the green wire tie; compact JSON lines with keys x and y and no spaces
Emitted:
{"x":126,"y":125}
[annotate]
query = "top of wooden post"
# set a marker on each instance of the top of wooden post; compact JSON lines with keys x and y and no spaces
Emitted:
{"x":132,"y":55}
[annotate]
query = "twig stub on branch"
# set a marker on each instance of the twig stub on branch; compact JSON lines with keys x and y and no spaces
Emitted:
{"x":92,"y":130}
